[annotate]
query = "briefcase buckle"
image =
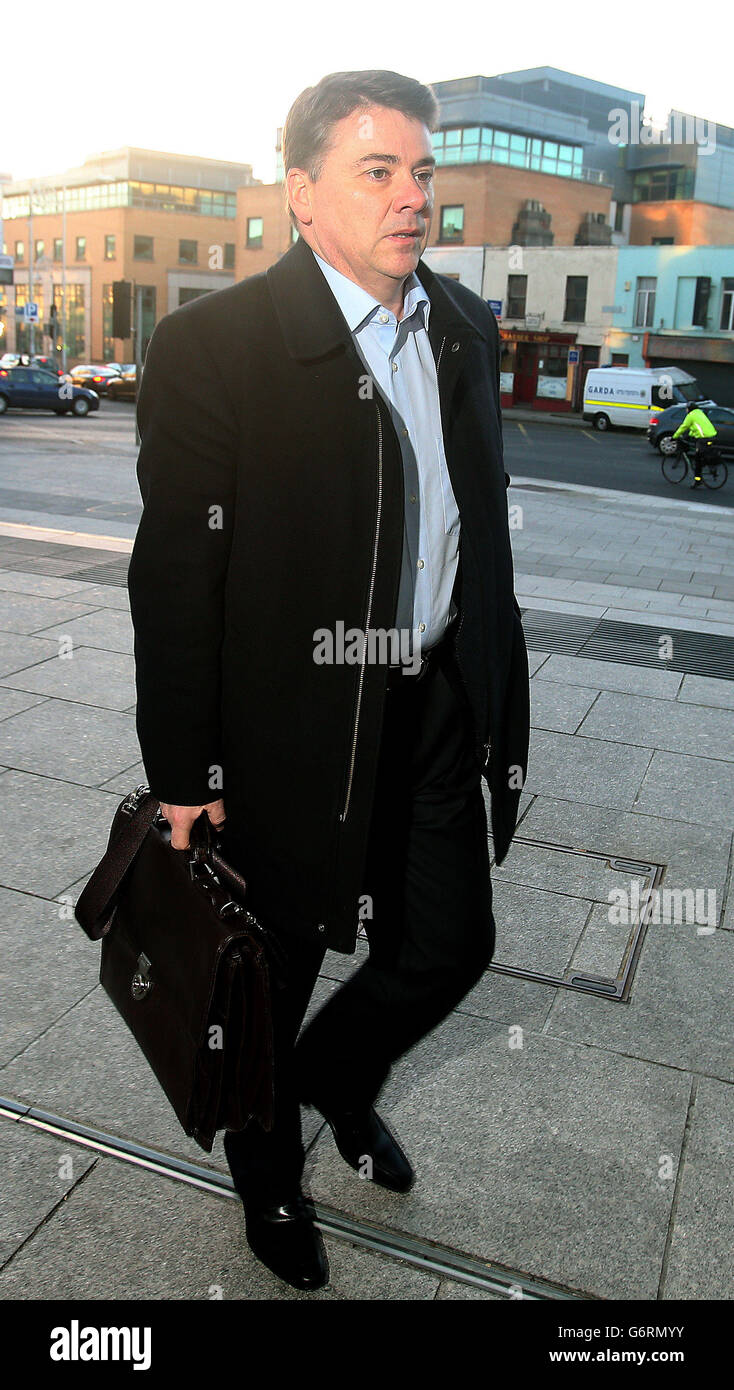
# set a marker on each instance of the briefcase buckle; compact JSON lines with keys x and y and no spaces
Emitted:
{"x":141,"y":984}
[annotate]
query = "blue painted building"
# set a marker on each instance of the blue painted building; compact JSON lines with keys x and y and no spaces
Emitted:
{"x":675,"y":305}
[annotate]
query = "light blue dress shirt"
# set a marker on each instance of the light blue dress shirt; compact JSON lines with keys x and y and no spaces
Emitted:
{"x":399,"y":358}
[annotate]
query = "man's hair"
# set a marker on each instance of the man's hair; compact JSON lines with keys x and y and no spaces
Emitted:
{"x":309,"y":123}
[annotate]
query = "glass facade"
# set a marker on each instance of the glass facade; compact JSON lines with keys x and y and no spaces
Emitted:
{"x":88,"y":197}
{"x":658,"y":185}
{"x":477,"y":144}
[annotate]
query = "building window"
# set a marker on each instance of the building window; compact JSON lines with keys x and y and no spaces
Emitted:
{"x":452,"y":223}
{"x":188,"y":252}
{"x":20,"y":251}
{"x":109,"y":246}
{"x":81,"y":248}
{"x":620,"y":359}
{"x":575,"y":309}
{"x":254,"y":231}
{"x":645,"y":301}
{"x":58,"y":248}
{"x":40,"y":250}
{"x":185,"y":296}
{"x":619,"y":217}
{"x":229,"y":255}
{"x":517,"y":293}
{"x":143,"y":248}
{"x":727,"y":304}
{"x":700,"y":315}
{"x":661,"y":241}
{"x":660,"y":185}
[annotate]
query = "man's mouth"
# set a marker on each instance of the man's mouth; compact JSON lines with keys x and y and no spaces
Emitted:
{"x":404,"y":236}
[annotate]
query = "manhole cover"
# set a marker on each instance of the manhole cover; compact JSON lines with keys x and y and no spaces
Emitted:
{"x":582,"y":944}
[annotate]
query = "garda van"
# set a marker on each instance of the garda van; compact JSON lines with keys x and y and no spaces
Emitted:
{"x":628,"y":396}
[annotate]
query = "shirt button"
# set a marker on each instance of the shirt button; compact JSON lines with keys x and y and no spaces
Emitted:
{"x":413,"y":497}
{"x":421,"y":627}
{"x":395,"y":366}
{"x":421,"y":564}
{"x":404,"y":433}
{"x":383,"y":318}
{"x":322,"y":926}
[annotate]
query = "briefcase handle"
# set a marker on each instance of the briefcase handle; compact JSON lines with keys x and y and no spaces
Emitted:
{"x":94,"y":908}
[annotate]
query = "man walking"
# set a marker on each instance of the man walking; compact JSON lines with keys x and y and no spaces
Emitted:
{"x":322,"y":476}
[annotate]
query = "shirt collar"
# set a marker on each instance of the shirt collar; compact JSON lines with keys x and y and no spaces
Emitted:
{"x":358,"y":306}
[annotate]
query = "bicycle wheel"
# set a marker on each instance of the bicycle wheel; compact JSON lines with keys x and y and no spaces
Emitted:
{"x":675,"y":467}
{"x":715,"y":474}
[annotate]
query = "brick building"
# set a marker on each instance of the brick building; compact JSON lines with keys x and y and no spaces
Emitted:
{"x":164,"y":222}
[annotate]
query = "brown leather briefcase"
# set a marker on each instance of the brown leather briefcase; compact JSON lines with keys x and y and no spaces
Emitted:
{"x":188,"y":967}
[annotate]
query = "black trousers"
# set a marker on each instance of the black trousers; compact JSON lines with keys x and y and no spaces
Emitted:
{"x":429,"y":924}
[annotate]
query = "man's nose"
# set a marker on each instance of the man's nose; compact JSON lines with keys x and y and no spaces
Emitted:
{"x":412,"y":194}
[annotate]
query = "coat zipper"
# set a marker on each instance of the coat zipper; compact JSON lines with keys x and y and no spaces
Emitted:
{"x":487,"y":746}
{"x":378,"y":515}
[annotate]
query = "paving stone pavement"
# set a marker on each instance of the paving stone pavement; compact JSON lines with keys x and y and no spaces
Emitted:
{"x":559,"y":1134}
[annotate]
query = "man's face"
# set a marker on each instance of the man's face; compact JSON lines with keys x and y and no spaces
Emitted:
{"x":376,"y":182}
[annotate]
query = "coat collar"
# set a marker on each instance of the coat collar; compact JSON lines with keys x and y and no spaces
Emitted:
{"x":312,"y":322}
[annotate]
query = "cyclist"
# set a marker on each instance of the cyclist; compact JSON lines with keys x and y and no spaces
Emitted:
{"x":698,"y":426}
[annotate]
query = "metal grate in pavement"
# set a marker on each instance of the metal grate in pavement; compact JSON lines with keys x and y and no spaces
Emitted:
{"x":441,"y":1260}
{"x":633,"y":644}
{"x":115,"y":573}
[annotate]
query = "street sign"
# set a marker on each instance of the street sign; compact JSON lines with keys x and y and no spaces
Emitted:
{"x":31,"y":312}
{"x":612,"y":308}
{"x":496,"y":307}
{"x":573,"y":355}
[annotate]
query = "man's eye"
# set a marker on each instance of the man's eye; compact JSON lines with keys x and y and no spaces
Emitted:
{"x":425,"y":174}
{"x":378,"y":171}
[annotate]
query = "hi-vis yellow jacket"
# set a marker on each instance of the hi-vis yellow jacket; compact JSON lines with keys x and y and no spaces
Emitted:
{"x":699,"y":425}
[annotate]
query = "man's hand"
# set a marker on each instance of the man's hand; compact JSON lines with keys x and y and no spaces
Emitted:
{"x":181,"y":819}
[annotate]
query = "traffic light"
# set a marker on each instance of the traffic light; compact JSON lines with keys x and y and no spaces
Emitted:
{"x":121,"y":299}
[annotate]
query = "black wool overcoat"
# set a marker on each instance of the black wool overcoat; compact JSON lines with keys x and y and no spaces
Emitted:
{"x":272,"y":485}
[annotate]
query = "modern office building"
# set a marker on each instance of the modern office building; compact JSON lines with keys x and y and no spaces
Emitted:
{"x":164,"y":222}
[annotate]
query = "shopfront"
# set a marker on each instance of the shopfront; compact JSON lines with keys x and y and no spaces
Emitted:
{"x":535,"y":371}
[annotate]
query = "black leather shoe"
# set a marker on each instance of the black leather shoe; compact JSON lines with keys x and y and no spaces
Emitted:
{"x":283,"y":1237}
{"x":365,"y":1142}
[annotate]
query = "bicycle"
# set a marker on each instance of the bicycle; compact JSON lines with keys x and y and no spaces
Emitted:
{"x":677,"y":463}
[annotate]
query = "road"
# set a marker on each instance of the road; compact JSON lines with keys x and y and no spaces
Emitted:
{"x":54,"y":471}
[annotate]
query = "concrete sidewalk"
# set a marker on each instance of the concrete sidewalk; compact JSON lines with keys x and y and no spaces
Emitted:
{"x":571,"y":1123}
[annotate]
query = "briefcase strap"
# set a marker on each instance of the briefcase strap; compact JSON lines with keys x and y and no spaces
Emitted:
{"x":93,"y":908}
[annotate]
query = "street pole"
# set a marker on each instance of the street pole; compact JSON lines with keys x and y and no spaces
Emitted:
{"x":63,"y":281}
{"x":30,"y":263}
{"x":138,"y":349}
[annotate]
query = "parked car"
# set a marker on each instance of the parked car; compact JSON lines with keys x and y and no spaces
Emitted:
{"x":123,"y":388}
{"x":94,"y":378}
{"x":17,"y":359}
{"x":47,"y":364}
{"x":30,"y":388}
{"x":664,"y":425}
{"x":629,"y":395}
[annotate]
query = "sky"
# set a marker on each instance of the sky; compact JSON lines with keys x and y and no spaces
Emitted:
{"x":210,"y":80}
